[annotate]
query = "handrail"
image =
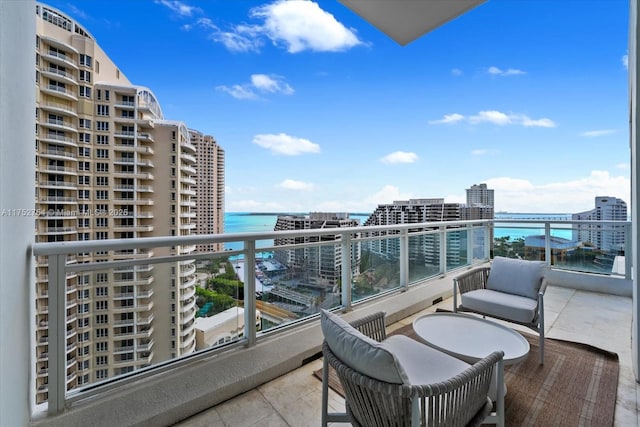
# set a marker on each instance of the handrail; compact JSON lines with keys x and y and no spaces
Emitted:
{"x":344,"y":239}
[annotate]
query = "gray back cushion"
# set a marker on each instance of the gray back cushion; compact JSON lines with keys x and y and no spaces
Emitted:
{"x":360,"y":352}
{"x":516,"y":276}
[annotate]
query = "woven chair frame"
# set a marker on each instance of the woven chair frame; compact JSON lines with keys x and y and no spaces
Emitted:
{"x":460,"y":401}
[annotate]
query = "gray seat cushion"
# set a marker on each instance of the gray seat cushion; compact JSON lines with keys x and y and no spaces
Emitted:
{"x":421,"y":363}
{"x":360,"y":352}
{"x":516,"y":276}
{"x":499,"y":304}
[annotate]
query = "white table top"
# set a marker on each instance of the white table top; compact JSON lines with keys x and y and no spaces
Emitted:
{"x":470,"y":338}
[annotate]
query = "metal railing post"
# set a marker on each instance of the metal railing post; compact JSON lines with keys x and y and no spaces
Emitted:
{"x":628,"y":259}
{"x":442,"y":235}
{"x":250,"y":330}
{"x":404,"y":259}
{"x":547,"y":242}
{"x":57,"y":337}
{"x":346,"y":270}
{"x":470,"y":243}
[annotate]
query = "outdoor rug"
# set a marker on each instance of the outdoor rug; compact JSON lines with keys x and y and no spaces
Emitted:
{"x":576,"y":386}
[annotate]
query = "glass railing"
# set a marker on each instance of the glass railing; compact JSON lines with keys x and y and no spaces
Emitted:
{"x":144,"y":312}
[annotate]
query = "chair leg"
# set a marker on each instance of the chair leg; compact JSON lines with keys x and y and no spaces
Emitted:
{"x":325,"y":391}
{"x":541,"y":326}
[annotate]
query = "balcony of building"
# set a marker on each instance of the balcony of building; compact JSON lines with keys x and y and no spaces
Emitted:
{"x":583,"y":306}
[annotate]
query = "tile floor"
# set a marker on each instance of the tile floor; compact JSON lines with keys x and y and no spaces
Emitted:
{"x":294,"y":400}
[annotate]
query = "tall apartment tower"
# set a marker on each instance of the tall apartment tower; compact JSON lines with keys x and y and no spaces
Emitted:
{"x":210,"y":188}
{"x":480,"y":205}
{"x":605,"y":238}
{"x":109,"y":166}
{"x":479,"y":194}
{"x":415,"y":211}
{"x":322,"y":264}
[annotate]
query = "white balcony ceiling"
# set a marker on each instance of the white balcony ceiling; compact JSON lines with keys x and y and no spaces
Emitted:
{"x":406,"y":20}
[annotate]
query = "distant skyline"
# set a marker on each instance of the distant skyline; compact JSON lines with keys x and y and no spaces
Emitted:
{"x":319,"y":111}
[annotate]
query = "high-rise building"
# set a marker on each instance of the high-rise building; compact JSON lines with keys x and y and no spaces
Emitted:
{"x":109,"y":166}
{"x":606,"y":237}
{"x":320,"y":265}
{"x":480,"y":195}
{"x":210,"y":188}
{"x":423,"y":248}
{"x":480,"y":205}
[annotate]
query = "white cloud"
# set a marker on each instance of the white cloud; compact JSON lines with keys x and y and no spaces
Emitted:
{"x":492,"y":116}
{"x":285,"y":144}
{"x":479,"y":152}
{"x":448,"y":118}
{"x":179,"y":7}
{"x":303,"y":25}
{"x":625,"y":61}
{"x":400,"y":157}
{"x":260,"y":83}
{"x":456,"y":72}
{"x":495,"y":71}
{"x":497,"y":118}
{"x":597,"y":133}
{"x":386,"y":194}
{"x":520,"y":195}
{"x":291,"y":184}
{"x":273,"y":84}
{"x":623,"y":166}
{"x":238,"y":91}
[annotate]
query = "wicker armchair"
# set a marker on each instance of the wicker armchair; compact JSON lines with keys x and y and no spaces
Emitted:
{"x":511,"y":290}
{"x":460,"y":400}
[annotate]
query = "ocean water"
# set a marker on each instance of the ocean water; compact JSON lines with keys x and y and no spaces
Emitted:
{"x":241,"y":222}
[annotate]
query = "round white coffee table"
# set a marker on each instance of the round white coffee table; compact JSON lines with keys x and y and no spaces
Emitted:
{"x":470,"y":338}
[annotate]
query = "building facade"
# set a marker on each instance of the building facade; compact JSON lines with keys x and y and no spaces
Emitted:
{"x":609,"y":238}
{"x":320,"y":266}
{"x":210,"y":188}
{"x":109,"y":166}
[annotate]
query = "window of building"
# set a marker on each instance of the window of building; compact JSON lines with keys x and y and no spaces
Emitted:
{"x":102,"y":222}
{"x":102,"y":332}
{"x":101,"y":153}
{"x":102,"y":167}
{"x":102,"y":139}
{"x":83,"y":222}
{"x":102,"y":126}
{"x":102,"y":235}
{"x":83,"y":308}
{"x":83,"y":379}
{"x":102,"y":291}
{"x":85,"y":76}
{"x":85,"y":92}
{"x":102,"y":110}
{"x":85,"y":60}
{"x":84,"y":194}
{"x":102,"y":277}
{"x":84,"y":180}
{"x":83,"y":166}
{"x":102,"y":360}
{"x":83,"y":323}
{"x":84,"y":137}
{"x":102,"y":346}
{"x":102,"y":373}
{"x":84,"y":123}
{"x":84,"y":152}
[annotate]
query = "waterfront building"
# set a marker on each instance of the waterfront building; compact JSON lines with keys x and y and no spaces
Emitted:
{"x":480,"y":195}
{"x":609,"y":238}
{"x":210,"y":187}
{"x":424,"y":249}
{"x":221,"y":328}
{"x":109,"y":166}
{"x":319,"y":266}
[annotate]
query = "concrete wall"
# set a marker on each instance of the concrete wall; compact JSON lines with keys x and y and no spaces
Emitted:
{"x":17,"y":171}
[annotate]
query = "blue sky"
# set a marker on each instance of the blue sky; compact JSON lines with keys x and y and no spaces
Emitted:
{"x":319,"y":111}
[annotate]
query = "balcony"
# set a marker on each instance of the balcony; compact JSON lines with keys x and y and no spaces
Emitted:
{"x":572,"y":296}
